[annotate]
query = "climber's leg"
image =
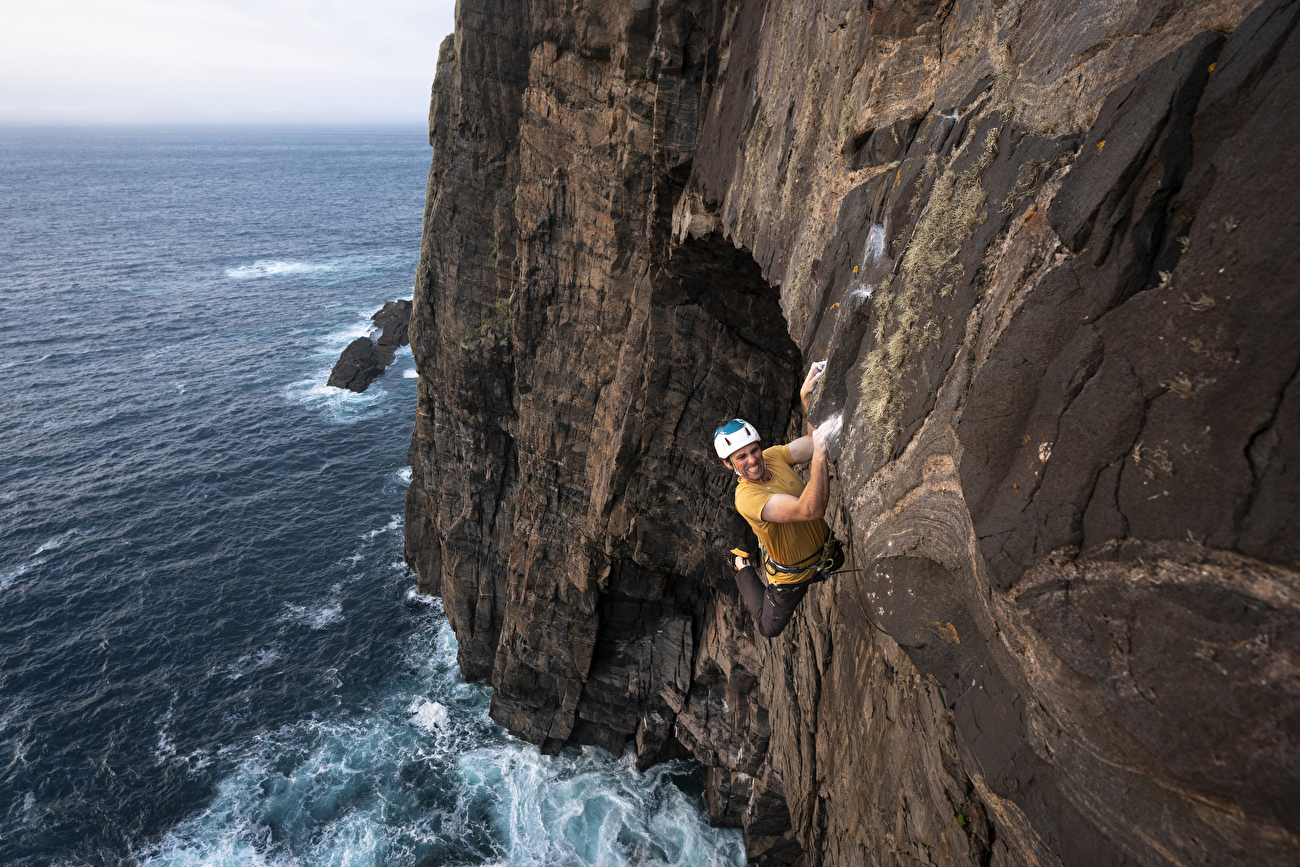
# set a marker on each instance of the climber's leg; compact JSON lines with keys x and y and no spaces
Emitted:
{"x":772,"y":605}
{"x":778,"y":607}
{"x":751,"y":590}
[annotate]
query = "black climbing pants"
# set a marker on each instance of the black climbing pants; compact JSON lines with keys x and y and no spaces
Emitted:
{"x":772,"y":604}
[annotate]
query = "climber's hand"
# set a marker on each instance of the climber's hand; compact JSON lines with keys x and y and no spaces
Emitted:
{"x":810,"y":381}
{"x":822,"y":434}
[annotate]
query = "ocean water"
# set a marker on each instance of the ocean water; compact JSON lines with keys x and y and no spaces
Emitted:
{"x":210,"y":650}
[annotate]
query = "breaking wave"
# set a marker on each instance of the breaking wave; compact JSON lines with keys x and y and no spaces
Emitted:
{"x":425,"y":778}
{"x":331,"y":270}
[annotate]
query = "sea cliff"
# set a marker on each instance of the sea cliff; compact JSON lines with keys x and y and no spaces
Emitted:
{"x":1048,"y":251}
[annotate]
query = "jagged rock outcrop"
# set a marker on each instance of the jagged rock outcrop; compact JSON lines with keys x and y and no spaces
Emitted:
{"x":392,"y":322}
{"x":357,"y":367}
{"x":366,"y":358}
{"x":1047,"y":250}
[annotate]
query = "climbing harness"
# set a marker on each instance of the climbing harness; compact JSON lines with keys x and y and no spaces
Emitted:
{"x":823,"y":562}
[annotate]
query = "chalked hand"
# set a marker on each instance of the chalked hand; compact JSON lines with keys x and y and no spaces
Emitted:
{"x":814,"y":373}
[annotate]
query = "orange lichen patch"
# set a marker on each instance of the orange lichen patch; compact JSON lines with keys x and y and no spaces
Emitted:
{"x":1212,"y":65}
{"x":1101,"y":144}
{"x":947,"y":632}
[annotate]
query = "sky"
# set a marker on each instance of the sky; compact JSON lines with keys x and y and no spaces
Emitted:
{"x":219,"y":61}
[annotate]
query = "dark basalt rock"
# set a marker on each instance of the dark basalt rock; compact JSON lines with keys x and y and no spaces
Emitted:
{"x":357,"y":367}
{"x":1047,"y":249}
{"x":392,"y":321}
{"x":364,"y":358}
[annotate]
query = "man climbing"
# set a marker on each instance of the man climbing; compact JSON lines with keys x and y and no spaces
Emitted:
{"x":786,"y":515}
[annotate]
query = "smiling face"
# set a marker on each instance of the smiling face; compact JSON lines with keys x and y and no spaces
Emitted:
{"x":748,"y":462}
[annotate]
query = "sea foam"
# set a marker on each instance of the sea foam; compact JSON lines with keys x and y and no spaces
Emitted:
{"x":429,"y":716}
{"x":394,"y":522}
{"x":11,"y":364}
{"x":426,"y":778}
{"x":334,"y":269}
{"x":318,"y":617}
{"x":247,"y":662}
{"x":339,"y":405}
{"x":56,"y":542}
{"x":36,"y":559}
{"x":10,"y":577}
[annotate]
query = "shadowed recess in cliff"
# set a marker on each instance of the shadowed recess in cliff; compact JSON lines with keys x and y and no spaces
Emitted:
{"x":713,"y":344}
{"x":728,"y":285}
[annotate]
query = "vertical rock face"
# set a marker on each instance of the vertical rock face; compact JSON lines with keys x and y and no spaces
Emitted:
{"x":1048,"y":251}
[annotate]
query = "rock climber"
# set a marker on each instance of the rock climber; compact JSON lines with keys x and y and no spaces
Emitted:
{"x":798,"y":549}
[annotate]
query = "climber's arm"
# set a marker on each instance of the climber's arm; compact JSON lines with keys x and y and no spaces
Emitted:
{"x":801,"y":450}
{"x":811,"y":504}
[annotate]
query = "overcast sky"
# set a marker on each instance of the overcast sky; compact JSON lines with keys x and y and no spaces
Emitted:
{"x":219,"y":61}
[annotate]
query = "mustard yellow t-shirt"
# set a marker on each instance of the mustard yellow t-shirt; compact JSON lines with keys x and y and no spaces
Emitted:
{"x":785,"y":543}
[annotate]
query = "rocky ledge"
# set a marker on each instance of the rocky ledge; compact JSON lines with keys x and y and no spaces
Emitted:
{"x":367,"y":357}
{"x":1048,"y":251}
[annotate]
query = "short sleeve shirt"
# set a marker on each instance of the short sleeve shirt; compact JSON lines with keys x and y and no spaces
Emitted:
{"x":788,"y":544}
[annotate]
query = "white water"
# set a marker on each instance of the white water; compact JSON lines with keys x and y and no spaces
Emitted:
{"x":424,"y":779}
{"x":343,"y":267}
{"x":339,"y":405}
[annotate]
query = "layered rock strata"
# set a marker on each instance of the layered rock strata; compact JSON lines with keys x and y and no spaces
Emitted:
{"x":1047,"y":249}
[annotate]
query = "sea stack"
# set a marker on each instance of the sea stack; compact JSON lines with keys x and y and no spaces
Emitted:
{"x":367,"y":357}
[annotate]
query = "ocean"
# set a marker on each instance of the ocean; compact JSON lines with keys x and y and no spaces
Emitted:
{"x":210,"y":649}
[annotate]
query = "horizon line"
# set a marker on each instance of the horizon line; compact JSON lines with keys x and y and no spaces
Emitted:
{"x":175,"y":124}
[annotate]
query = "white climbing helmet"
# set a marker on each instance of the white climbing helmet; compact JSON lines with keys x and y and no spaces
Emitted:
{"x":733,"y":435}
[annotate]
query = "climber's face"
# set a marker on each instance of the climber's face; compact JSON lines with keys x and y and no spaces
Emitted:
{"x":748,"y":462}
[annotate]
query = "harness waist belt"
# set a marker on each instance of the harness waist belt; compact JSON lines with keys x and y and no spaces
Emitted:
{"x":822,"y":560}
{"x":801,"y":566}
